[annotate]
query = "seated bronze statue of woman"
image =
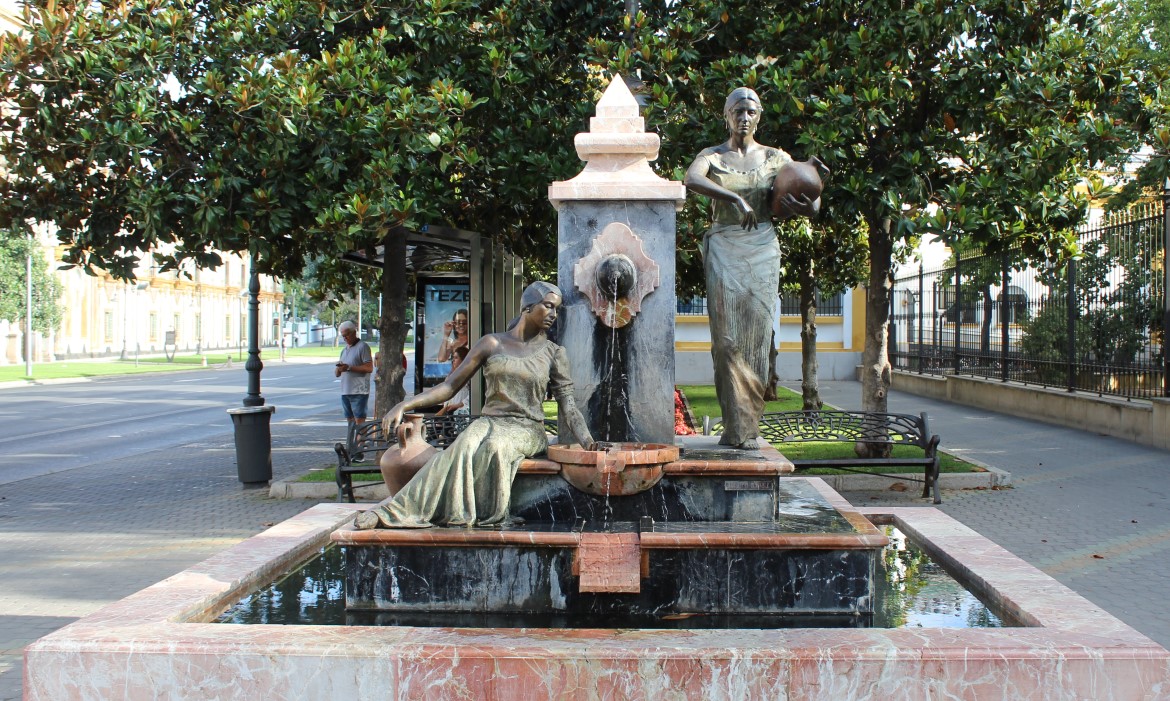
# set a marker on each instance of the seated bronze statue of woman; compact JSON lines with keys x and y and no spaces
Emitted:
{"x":470,"y":483}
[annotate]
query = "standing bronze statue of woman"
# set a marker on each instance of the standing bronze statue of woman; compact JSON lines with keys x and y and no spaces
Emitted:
{"x":470,"y":483}
{"x":741,"y":260}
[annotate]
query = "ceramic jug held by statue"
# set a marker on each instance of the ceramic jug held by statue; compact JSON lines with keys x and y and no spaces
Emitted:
{"x":797,"y":178}
{"x":399,"y":463}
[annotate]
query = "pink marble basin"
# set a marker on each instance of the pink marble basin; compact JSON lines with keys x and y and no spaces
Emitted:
{"x":620,"y":469}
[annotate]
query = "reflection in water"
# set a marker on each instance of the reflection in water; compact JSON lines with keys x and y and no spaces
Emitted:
{"x":913,"y":591}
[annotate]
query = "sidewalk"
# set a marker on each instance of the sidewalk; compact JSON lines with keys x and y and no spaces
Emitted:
{"x":73,"y":541}
{"x":1092,"y":511}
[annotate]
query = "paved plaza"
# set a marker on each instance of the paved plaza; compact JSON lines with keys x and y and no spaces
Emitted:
{"x":1091,"y":511}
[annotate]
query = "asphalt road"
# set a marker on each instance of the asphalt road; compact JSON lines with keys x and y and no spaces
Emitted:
{"x":56,"y":427}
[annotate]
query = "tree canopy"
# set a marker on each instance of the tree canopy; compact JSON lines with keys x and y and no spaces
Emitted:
{"x":969,"y":119}
{"x":294,"y":129}
{"x":291,"y":129}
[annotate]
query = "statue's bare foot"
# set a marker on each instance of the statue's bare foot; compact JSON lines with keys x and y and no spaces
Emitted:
{"x":366,"y":520}
{"x":749,"y":444}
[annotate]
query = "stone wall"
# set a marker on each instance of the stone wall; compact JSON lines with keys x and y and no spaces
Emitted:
{"x":1141,"y":421}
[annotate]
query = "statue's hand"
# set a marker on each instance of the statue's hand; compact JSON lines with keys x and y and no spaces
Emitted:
{"x":391,"y":420}
{"x":749,"y":220}
{"x":800,"y":206}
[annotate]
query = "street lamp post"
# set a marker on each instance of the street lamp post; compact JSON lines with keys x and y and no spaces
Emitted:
{"x":240,"y":325}
{"x":125,"y":306}
{"x":254,"y":365}
{"x":28,"y":323}
{"x":253,"y":434}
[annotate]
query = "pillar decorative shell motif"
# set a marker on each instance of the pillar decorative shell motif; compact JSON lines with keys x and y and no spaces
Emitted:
{"x":616,"y":241}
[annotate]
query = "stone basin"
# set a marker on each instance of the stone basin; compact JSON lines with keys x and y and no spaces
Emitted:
{"x":620,"y":469}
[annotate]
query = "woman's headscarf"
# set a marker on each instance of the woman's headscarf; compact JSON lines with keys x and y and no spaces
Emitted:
{"x":737,"y":96}
{"x":533,"y":294}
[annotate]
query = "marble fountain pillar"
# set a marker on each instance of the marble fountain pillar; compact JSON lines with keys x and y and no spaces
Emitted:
{"x":616,"y":219}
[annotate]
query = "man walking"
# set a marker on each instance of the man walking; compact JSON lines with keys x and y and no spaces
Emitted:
{"x":354,"y":368}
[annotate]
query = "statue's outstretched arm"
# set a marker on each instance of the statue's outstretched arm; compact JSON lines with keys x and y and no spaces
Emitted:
{"x":562,"y":386}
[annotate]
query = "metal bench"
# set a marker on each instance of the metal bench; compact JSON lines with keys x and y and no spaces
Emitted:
{"x":367,"y":442}
{"x":832,"y":426}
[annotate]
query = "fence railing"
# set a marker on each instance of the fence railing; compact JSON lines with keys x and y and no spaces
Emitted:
{"x":831,"y":305}
{"x":1095,"y":324}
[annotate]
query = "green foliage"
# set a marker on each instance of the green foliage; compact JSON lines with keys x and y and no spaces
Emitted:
{"x":1144,"y":27}
{"x":289,"y":128}
{"x":295,"y":129}
{"x":836,"y":253}
{"x":1115,"y":311}
{"x":972,"y":118}
{"x":991,"y":111}
{"x":14,"y":250}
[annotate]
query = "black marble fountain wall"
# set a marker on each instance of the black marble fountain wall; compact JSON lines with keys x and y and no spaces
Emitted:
{"x":548,"y":498}
{"x":514,"y":579}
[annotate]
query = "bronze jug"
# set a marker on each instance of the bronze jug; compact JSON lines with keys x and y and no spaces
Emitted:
{"x":797,"y":178}
{"x":400,"y":463}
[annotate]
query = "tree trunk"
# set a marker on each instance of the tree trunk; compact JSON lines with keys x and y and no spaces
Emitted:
{"x":773,"y":377}
{"x":875,"y":360}
{"x":809,"y":390}
{"x":392,"y":325}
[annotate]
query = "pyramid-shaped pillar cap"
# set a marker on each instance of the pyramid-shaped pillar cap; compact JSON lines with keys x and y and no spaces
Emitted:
{"x":617,"y":151}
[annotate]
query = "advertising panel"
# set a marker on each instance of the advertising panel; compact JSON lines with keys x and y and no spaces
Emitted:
{"x":445,"y":310}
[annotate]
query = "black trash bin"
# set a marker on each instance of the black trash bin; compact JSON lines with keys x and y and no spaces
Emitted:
{"x":253,"y":443}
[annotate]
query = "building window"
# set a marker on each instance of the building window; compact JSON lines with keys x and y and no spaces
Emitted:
{"x":1014,"y":305}
{"x":833,"y":305}
{"x":691,"y":306}
{"x":153,"y":327}
{"x":227,"y":329}
{"x":109,"y":328}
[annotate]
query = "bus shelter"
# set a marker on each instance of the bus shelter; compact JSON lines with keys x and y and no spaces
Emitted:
{"x":451,"y":270}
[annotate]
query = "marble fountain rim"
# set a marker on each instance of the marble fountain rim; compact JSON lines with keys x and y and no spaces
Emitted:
{"x":165,"y":624}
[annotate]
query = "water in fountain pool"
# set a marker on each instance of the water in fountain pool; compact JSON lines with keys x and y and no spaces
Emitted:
{"x":912,"y":591}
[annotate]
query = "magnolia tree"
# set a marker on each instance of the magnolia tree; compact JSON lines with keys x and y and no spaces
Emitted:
{"x":291,"y":130}
{"x":972,"y":119}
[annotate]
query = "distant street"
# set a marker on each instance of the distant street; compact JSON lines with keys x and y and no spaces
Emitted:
{"x":55,"y":427}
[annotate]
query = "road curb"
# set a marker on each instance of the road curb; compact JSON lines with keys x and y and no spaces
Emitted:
{"x":325,"y":491}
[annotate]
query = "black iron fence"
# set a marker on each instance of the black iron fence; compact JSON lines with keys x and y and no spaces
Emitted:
{"x":827,"y":305}
{"x":1095,"y":324}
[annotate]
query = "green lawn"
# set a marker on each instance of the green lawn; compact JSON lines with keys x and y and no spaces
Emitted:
{"x":329,"y":474}
{"x":316,"y":351}
{"x":155,"y":363}
{"x":703,"y":403}
{"x":69,"y":369}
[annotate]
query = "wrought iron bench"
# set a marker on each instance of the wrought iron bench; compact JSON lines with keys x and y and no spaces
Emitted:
{"x":368,"y":441}
{"x":833,"y":426}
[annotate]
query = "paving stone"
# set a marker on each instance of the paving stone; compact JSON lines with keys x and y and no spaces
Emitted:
{"x":73,"y":541}
{"x":1083,"y":493}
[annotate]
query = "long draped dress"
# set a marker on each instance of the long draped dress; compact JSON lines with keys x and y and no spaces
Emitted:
{"x":470,"y":483}
{"x":742,"y":268}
